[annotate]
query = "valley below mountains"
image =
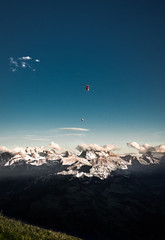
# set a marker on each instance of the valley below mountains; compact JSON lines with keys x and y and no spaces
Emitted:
{"x":92,"y":194}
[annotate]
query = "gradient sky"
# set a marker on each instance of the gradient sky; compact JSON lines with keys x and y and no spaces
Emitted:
{"x":118,"y":47}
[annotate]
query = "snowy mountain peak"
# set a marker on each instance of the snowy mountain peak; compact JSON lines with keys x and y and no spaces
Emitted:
{"x":90,"y":162}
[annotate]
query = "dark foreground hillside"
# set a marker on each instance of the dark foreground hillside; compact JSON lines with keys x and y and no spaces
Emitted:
{"x":125,"y":206}
{"x":16,"y":230}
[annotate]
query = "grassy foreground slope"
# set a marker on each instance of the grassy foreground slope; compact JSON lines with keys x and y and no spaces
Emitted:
{"x":16,"y":230}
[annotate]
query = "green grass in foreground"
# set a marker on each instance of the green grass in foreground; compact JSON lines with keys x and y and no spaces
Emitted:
{"x":16,"y":230}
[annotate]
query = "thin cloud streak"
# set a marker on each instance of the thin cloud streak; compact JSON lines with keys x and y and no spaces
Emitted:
{"x":32,"y":137}
{"x":70,"y":135}
{"x":75,"y":129}
{"x":39,"y":139}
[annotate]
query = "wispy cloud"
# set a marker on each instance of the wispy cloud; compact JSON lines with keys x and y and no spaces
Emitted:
{"x":25,"y":58}
{"x":8,"y":138}
{"x":40,"y":139}
{"x":75,"y":129}
{"x":36,"y":138}
{"x":23,"y":62}
{"x":54,"y":145}
{"x":29,"y":135}
{"x":70,"y":134}
{"x":14,"y":62}
{"x":74,"y":134}
{"x":13,"y":69}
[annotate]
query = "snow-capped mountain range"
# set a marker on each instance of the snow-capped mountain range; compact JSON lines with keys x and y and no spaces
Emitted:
{"x":89,"y":163}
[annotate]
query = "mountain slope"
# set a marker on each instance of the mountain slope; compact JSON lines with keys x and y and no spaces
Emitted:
{"x":16,"y":230}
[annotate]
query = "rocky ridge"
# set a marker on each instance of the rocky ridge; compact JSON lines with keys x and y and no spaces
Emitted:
{"x":88,"y":163}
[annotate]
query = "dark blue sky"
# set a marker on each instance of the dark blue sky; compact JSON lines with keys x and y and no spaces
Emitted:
{"x":116,"y":46}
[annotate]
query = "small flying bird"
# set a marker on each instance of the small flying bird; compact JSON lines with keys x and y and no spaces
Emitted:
{"x":82,"y":119}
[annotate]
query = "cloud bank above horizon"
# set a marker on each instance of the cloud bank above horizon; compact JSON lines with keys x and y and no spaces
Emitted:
{"x":147,"y":147}
{"x":90,"y":147}
{"x":95,"y":147}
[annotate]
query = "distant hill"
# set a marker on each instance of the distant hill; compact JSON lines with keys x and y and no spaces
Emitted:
{"x":16,"y":230}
